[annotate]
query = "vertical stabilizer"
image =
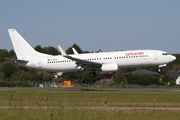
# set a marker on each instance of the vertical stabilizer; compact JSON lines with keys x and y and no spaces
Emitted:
{"x":22,"y":48}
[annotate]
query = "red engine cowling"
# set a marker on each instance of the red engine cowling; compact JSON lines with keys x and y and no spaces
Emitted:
{"x":110,"y":67}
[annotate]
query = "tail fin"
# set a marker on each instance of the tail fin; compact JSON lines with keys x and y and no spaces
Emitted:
{"x":22,"y":48}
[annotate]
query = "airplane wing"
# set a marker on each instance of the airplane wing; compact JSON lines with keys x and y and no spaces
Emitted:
{"x":84,"y":64}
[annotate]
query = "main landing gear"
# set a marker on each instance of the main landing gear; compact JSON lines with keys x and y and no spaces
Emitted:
{"x":159,"y":69}
{"x":92,"y":74}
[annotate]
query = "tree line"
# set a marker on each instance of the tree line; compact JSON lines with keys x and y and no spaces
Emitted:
{"x":13,"y":75}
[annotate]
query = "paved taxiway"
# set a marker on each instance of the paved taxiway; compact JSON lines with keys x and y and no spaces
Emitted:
{"x":92,"y":108}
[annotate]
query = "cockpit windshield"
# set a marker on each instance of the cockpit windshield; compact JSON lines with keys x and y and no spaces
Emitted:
{"x":165,"y":54}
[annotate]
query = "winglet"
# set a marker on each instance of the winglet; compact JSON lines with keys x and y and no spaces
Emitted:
{"x":61,"y":50}
{"x":74,"y":50}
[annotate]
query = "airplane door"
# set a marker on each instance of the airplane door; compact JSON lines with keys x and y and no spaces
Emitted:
{"x":40,"y":64}
{"x":155,"y":56}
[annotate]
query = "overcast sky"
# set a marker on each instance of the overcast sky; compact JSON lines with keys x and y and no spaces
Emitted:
{"x":108,"y":25}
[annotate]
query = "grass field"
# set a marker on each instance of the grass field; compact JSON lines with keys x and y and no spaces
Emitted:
{"x":30,"y":114}
{"x":61,"y":100}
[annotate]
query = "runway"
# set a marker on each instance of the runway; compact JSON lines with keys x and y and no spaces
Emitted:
{"x":91,"y":108}
{"x":94,"y":89}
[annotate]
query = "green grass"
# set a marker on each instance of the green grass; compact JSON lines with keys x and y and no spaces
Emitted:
{"x":88,"y":98}
{"x":31,"y":114}
{"x":36,"y":98}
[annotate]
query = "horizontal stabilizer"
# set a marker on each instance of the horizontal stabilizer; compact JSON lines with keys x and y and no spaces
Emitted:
{"x":13,"y":59}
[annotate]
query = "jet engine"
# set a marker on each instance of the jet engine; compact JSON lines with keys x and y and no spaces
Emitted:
{"x":110,"y":67}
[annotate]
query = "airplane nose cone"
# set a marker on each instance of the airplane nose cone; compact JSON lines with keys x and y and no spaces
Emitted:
{"x":172,"y":58}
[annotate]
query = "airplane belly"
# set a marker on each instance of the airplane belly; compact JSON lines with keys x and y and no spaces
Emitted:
{"x":31,"y":64}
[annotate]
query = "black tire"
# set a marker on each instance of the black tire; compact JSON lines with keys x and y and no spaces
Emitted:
{"x":93,"y":74}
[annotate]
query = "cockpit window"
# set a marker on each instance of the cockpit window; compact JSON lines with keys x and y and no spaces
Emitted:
{"x":165,"y":54}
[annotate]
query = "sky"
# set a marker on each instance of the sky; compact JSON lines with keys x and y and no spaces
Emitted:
{"x":106,"y":25}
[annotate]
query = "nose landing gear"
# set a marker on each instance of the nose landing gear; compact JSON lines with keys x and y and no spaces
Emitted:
{"x":159,"y":70}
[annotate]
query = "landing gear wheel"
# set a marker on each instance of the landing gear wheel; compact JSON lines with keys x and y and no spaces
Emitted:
{"x":93,"y":74}
{"x":159,"y":70}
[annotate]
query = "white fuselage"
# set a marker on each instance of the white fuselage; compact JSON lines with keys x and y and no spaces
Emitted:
{"x":124,"y":59}
{"x":106,"y":61}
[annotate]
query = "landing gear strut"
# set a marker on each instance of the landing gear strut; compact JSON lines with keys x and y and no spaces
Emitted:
{"x":93,"y":74}
{"x":159,"y":69}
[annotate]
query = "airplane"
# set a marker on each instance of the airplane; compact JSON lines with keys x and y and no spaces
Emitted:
{"x":104,"y":61}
